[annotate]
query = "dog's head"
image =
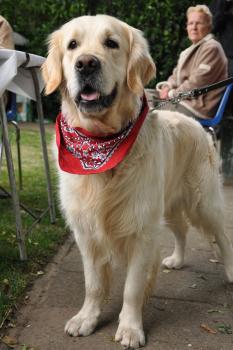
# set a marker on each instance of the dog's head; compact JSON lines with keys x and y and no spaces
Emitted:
{"x":98,"y":62}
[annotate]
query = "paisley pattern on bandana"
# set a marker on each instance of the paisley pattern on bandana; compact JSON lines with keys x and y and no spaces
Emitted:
{"x":82,"y":153}
{"x":93,"y":153}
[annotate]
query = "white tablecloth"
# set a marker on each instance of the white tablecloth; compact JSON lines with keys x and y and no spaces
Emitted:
{"x":18,"y":79}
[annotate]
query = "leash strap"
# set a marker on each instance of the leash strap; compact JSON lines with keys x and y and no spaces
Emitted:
{"x":194,"y":93}
{"x":205,"y":89}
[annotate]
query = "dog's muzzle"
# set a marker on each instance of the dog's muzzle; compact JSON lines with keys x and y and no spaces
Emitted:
{"x":90,"y":97}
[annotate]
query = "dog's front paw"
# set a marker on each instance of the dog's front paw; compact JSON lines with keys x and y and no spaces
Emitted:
{"x":130,"y":337}
{"x":81,"y":325}
{"x":173,"y":262}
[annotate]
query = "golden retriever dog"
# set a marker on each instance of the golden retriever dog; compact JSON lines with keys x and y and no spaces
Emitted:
{"x":114,"y":204}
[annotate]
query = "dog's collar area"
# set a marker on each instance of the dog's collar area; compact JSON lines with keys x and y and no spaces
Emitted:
{"x":79,"y":152}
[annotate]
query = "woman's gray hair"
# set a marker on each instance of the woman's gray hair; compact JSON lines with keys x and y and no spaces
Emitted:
{"x":202,"y":9}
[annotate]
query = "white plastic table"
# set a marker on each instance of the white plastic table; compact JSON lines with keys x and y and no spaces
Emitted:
{"x":20,"y":73}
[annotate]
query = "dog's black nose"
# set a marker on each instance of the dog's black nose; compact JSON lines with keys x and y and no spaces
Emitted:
{"x":87,"y":64}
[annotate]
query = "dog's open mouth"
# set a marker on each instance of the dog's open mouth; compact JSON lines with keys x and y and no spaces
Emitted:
{"x":91,"y":100}
{"x":89,"y":95}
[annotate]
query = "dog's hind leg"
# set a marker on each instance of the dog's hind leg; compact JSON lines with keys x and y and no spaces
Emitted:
{"x":212,"y":222}
{"x":227,"y":253}
{"x":141,"y":263}
{"x":178,"y":225}
{"x":97,"y":279}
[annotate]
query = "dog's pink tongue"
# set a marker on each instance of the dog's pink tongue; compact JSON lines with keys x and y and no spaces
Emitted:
{"x":90,"y":97}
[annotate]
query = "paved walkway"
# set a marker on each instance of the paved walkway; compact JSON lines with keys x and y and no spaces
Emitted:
{"x":190,"y":309}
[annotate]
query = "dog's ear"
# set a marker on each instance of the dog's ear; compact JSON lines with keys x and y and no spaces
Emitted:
{"x":52,"y":67}
{"x":141,"y":68}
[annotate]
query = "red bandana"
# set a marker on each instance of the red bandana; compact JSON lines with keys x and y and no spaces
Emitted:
{"x":79,"y":152}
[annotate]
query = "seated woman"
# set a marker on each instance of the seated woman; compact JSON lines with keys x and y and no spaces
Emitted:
{"x":201,"y":64}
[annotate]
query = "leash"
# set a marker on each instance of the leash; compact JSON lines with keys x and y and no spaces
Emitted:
{"x":194,"y":93}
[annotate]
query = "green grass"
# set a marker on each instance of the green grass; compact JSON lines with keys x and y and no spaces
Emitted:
{"x":43,"y":241}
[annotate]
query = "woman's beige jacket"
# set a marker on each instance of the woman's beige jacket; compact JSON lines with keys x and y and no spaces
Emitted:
{"x":199,"y":65}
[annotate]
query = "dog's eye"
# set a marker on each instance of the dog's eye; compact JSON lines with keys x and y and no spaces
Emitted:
{"x":72,"y":45}
{"x":112,"y":44}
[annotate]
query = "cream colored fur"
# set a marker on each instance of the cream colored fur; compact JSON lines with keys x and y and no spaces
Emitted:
{"x":170,"y":174}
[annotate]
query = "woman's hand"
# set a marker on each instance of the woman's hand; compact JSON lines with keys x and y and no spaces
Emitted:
{"x":163,"y":93}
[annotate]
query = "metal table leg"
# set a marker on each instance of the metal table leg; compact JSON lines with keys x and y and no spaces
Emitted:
{"x":43,"y":143}
{"x":14,"y":194}
{"x":17,"y":129}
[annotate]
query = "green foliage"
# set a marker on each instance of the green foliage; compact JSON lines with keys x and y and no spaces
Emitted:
{"x":163,"y":22}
